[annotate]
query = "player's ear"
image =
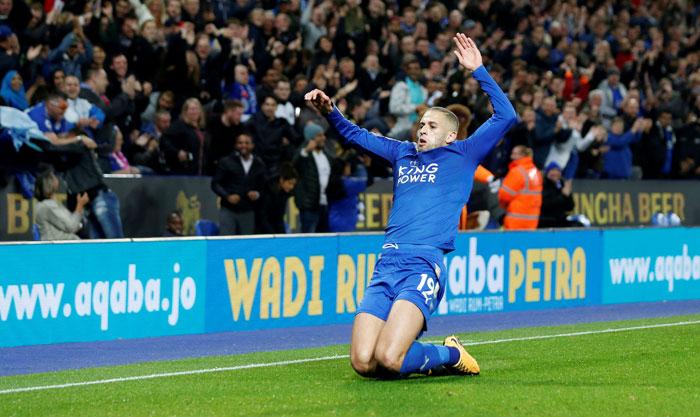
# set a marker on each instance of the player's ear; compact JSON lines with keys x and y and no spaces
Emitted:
{"x":451,"y":137}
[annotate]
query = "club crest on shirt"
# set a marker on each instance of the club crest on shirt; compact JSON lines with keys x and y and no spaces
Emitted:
{"x":414,"y":173}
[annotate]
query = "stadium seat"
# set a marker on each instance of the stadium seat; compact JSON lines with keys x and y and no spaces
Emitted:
{"x":35,"y":232}
{"x":204,"y":227}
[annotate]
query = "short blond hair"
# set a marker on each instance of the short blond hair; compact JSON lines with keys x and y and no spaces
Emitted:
{"x":450,"y":118}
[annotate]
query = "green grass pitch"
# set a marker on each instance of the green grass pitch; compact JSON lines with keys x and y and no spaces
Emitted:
{"x":652,"y":371}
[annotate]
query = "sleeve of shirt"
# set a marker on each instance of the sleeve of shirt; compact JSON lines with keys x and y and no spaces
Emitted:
{"x":355,"y":185}
{"x":620,"y":141}
{"x":354,"y":135}
{"x":218,"y":182}
{"x":487,"y":136}
{"x":98,"y":114}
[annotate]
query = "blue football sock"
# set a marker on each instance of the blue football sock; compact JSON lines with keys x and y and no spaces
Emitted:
{"x":422,"y":357}
{"x":454,"y":355}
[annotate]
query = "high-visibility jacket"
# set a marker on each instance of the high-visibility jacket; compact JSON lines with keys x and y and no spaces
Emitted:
{"x":481,"y":175}
{"x":521,"y":195}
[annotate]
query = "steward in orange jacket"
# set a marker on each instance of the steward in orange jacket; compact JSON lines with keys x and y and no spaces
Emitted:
{"x":521,"y":191}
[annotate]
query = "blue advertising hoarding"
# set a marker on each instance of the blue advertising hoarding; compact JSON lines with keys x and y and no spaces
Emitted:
{"x":281,"y":282}
{"x":260,"y":283}
{"x":651,"y":265}
{"x":51,"y":293}
{"x":90,"y":291}
{"x":490,"y":272}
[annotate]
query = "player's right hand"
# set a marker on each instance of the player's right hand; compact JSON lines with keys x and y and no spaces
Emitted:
{"x":320,"y":101}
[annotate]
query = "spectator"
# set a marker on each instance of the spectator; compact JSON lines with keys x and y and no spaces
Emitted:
{"x":76,"y":161}
{"x":15,"y":14}
{"x":212,"y":62}
{"x":243,"y":90}
{"x":521,"y":191}
{"x":373,"y":79}
{"x":119,"y":109}
{"x":9,"y":47}
{"x":556,"y":198}
{"x":657,"y":145}
{"x":184,"y":142}
{"x":81,"y":112}
{"x":548,"y":130}
{"x":174,"y":226}
{"x":285,"y":109}
{"x":173,"y":11}
{"x":617,"y":162}
{"x":158,"y":101}
{"x":118,"y":74}
{"x":268,"y":84}
{"x":223,"y":129}
{"x":119,"y":163}
{"x":406,"y":98}
{"x":688,"y":148}
{"x":312,"y":23}
{"x":148,"y":51}
{"x":74,"y":52}
{"x":273,"y":204}
{"x":161,"y":123}
{"x":12,"y":91}
{"x":565,"y":154}
{"x":54,"y":220}
{"x":313,"y":164}
{"x":614,"y":93}
{"x":343,"y":195}
{"x":239,"y":180}
{"x":145,"y":150}
{"x":49,"y":116}
{"x":274,"y":138}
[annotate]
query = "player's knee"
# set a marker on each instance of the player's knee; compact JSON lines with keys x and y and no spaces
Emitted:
{"x":389,"y":359}
{"x":363,"y":363}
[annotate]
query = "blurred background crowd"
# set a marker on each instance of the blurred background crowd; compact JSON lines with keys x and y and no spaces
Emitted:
{"x":603,"y":89}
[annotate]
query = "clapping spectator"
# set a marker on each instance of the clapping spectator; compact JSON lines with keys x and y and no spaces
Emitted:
{"x":556,"y":198}
{"x":618,"y":160}
{"x":343,"y":191}
{"x":183,"y":143}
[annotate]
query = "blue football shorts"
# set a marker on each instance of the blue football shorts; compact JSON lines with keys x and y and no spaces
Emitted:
{"x":405,"y":272}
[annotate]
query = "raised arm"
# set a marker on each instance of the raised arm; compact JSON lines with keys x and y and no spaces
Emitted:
{"x":504,"y":117}
{"x":379,"y":145}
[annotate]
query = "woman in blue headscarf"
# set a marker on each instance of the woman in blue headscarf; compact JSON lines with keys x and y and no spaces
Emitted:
{"x":12,"y":91}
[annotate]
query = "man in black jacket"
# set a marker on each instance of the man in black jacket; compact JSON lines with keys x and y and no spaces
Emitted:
{"x":239,"y":179}
{"x":273,"y":204}
{"x":117,"y":111}
{"x":75,"y":158}
{"x":273,"y":136}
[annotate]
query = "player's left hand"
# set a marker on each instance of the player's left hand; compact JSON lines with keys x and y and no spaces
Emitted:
{"x":467,"y":52}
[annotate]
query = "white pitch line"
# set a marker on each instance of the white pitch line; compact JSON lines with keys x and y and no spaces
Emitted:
{"x":324,"y":358}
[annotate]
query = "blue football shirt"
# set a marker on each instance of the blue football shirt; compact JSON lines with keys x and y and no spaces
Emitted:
{"x":431,"y":187}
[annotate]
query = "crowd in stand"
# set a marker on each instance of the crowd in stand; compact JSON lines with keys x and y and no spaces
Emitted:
{"x":603,"y":89}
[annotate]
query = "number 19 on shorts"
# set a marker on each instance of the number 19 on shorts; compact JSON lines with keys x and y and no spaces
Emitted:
{"x":433,"y":287}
